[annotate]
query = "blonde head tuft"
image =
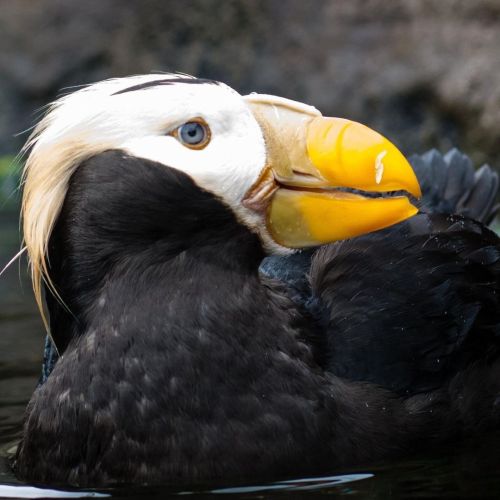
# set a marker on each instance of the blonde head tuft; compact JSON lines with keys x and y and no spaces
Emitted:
{"x":71,"y":132}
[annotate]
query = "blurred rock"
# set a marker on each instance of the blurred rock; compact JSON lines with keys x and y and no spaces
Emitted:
{"x":424,"y":72}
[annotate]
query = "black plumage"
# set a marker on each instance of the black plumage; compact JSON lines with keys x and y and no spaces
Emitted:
{"x":180,"y":361}
{"x":440,"y":271}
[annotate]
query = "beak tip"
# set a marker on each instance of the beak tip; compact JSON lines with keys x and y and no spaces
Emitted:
{"x":350,"y":154}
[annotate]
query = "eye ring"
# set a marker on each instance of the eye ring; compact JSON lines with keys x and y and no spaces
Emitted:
{"x":194,"y":134}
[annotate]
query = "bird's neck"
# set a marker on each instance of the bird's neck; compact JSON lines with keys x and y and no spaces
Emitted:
{"x":202,"y":310}
{"x":111,"y":239}
{"x":178,"y":300}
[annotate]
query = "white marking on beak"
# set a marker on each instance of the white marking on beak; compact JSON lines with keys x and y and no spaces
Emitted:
{"x":276,"y":112}
{"x":379,"y":167}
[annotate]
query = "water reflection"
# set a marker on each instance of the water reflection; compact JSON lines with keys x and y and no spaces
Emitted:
{"x":9,"y":491}
{"x":304,"y":484}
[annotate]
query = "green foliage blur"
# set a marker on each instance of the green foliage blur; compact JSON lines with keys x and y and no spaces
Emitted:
{"x":10,"y":171}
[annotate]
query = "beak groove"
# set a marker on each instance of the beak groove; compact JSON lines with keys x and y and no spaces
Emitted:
{"x":261,"y":193}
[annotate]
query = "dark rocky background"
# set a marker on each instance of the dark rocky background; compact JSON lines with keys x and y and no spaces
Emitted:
{"x":424,"y":72}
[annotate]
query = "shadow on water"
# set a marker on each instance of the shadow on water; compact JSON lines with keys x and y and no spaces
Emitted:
{"x":466,"y":471}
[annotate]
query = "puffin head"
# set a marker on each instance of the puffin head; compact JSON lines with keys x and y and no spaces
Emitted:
{"x":290,"y":175}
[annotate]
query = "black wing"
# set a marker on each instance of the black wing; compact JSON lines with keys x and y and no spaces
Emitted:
{"x":409,"y":306}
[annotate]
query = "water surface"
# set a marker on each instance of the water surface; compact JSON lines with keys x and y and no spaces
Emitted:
{"x":470,"y":470}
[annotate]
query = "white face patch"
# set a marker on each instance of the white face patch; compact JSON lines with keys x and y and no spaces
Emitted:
{"x":233,"y":159}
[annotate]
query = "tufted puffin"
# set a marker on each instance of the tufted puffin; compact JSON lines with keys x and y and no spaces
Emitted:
{"x":150,"y":204}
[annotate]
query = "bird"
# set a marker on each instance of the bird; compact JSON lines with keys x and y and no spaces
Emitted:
{"x":239,"y":288}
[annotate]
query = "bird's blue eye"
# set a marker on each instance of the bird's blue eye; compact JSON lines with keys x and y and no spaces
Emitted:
{"x":194,"y":134}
